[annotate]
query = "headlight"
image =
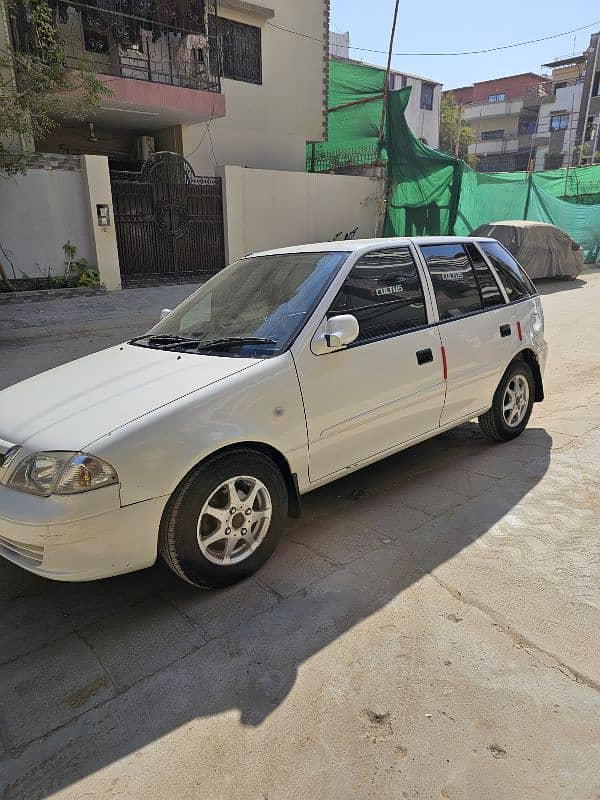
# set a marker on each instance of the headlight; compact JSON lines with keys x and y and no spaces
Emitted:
{"x":61,"y":473}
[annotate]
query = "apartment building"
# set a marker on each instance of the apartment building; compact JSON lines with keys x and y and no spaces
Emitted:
{"x":503,"y":114}
{"x":537,"y":121}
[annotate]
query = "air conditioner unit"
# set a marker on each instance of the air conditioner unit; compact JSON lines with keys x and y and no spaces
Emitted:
{"x":144,"y":146}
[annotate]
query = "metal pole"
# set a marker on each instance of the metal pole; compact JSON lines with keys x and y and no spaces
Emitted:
{"x":386,"y":88}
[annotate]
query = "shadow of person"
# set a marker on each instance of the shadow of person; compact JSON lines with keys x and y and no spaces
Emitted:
{"x":361,"y":543}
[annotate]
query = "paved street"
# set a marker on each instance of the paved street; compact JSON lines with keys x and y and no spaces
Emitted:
{"x":427,"y":630}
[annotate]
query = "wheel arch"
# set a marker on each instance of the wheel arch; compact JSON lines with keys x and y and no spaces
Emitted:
{"x":290,"y":478}
{"x":530,"y":358}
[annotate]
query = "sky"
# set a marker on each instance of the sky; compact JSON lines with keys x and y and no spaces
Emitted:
{"x":465,"y":25}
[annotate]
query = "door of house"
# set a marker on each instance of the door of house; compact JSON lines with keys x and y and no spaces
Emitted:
{"x":169,"y":222}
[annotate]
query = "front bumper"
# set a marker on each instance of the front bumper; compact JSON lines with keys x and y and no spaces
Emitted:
{"x":80,"y":537}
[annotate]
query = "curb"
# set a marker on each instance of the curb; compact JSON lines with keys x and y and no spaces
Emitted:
{"x":41,"y":295}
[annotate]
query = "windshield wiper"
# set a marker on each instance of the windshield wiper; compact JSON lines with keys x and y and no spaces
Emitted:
{"x":216,"y":344}
{"x":174,"y":342}
{"x":163,"y":339}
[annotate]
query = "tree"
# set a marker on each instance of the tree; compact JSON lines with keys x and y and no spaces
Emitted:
{"x":38,"y":85}
{"x":455,"y":136}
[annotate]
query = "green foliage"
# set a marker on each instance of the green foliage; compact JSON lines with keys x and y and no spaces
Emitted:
{"x":69,"y":249}
{"x":452,"y":127}
{"x":86,"y":275}
{"x":78,"y":270}
{"x":37,"y":84}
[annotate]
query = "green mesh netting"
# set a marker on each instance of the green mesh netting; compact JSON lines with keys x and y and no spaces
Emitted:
{"x":353,"y":129}
{"x":433,"y":193}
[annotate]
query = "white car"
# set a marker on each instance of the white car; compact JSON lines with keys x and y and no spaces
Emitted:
{"x":287,"y":370}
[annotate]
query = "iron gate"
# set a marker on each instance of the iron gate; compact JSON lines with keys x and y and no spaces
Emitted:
{"x":168,"y":221}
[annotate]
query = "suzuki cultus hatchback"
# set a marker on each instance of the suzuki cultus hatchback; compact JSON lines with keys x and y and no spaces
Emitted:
{"x":286,"y":371}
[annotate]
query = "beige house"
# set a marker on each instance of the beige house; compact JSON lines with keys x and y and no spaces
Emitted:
{"x":198,"y":155}
{"x":274,"y":100}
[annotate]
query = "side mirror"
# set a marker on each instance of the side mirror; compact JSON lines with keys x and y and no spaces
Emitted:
{"x":165,"y":313}
{"x":336,"y":332}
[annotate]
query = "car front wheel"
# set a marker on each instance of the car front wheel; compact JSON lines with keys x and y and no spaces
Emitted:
{"x":512,"y":404}
{"x":225,"y":519}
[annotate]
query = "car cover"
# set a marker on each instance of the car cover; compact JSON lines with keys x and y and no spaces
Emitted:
{"x":543,"y":250}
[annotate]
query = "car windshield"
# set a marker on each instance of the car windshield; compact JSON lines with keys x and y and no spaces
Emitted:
{"x":255,"y":307}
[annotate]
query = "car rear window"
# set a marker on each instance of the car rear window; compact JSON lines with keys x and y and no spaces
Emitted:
{"x":454,"y":283}
{"x":488,"y":285}
{"x":517,"y":283}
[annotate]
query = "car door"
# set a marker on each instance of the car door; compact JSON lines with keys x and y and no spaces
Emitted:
{"x":475,"y":323}
{"x":387,"y":387}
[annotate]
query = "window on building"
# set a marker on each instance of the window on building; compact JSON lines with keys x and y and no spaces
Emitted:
{"x":488,"y":286}
{"x":559,"y":122}
{"x":239,"y":48}
{"x":596,"y":84}
{"x":497,"y":98}
{"x":554,"y":160}
{"x":456,"y":289}
{"x":426,"y":96}
{"x":383,"y":291}
{"x":516,"y":282}
{"x":489,"y":135}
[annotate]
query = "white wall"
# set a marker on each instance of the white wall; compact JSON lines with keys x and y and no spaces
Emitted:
{"x":423,"y":123}
{"x":339,"y":44}
{"x":267,"y":126}
{"x":267,"y":209}
{"x":39,"y":212}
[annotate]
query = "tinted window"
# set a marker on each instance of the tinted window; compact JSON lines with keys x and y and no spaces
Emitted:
{"x":490,"y":291}
{"x":454,"y":284}
{"x":384,"y":293}
{"x":516,"y":282}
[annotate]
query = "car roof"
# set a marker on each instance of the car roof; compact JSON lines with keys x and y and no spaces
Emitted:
{"x":353,"y":245}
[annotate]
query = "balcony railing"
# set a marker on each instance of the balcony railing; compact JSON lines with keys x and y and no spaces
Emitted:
{"x":162,"y":41}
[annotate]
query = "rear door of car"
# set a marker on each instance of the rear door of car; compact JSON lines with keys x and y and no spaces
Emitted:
{"x":476,"y":326}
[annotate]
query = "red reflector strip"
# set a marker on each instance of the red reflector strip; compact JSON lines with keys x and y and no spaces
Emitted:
{"x":445,"y":363}
{"x":520,"y":331}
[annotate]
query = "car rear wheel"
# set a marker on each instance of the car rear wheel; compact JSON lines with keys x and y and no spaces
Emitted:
{"x":512,"y":404}
{"x":225,"y":519}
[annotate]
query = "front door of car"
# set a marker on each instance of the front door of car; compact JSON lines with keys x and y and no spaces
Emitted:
{"x":475,"y":323}
{"x":385,"y":388}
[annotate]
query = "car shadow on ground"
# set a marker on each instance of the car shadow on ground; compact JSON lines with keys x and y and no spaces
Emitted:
{"x":93,"y":672}
{"x":547,"y":286}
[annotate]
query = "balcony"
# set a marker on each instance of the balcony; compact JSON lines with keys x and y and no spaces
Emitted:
{"x":157,"y":57}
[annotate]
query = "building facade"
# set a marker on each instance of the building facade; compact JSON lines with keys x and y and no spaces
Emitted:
{"x":423,"y":110}
{"x":218,"y":81}
{"x":503,"y":115}
{"x":537,"y":121}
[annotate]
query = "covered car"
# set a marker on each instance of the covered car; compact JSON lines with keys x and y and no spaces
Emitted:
{"x":544,"y":250}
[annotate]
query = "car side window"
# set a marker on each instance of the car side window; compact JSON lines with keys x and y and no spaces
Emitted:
{"x":517,"y":284}
{"x":488,"y":286}
{"x":456,"y":289}
{"x":384,"y":292}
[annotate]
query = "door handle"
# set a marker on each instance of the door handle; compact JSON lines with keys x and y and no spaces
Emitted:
{"x":424,"y":356}
{"x":505,"y":330}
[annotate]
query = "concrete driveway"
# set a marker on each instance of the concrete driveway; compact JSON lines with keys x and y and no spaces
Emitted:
{"x":428,"y":629}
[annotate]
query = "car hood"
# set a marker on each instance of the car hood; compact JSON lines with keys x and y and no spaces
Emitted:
{"x":71,"y":406}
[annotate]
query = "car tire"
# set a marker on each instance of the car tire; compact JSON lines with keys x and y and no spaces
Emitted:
{"x":512,"y":404}
{"x":205,"y":537}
